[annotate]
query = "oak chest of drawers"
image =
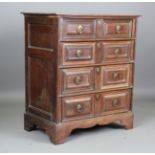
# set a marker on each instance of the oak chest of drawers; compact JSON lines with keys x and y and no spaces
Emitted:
{"x":79,"y":71}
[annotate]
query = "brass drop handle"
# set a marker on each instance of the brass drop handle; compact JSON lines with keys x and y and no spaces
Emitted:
{"x":80,"y":29}
{"x":116,"y":51}
{"x":118,"y":28}
{"x":97,"y":96}
{"x":115,"y":102}
{"x":79,"y":108}
{"x":79,"y":53}
{"x":115,"y":75}
{"x":77,"y":80}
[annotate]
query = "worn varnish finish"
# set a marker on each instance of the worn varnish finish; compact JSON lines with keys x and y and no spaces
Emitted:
{"x":79,"y":71}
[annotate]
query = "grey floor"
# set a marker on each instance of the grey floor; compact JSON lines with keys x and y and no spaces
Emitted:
{"x":13,"y":138}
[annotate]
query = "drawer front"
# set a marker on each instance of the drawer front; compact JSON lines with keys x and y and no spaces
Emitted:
{"x":77,"y":29}
{"x":117,"y":28}
{"x":120,"y":51}
{"x":78,"y":79}
{"x":77,"y":107}
{"x":115,"y":76}
{"x":113,"y":102}
{"x":116,"y":100}
{"x":78,"y":53}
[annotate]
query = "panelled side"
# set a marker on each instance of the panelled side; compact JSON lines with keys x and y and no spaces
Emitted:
{"x":41,"y":63}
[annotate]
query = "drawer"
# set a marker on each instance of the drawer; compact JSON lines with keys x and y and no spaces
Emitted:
{"x":78,"y":53}
{"x":117,"y":51}
{"x":78,"y":29}
{"x":115,"y":76}
{"x":78,"y":79}
{"x":116,"y":100}
{"x":77,"y":107}
{"x":113,"y":102}
{"x":117,"y":28}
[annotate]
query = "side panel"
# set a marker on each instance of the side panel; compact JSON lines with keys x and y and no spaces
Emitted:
{"x":41,"y":62}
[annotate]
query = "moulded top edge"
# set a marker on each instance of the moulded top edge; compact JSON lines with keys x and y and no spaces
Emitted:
{"x":39,"y":13}
{"x":78,"y":15}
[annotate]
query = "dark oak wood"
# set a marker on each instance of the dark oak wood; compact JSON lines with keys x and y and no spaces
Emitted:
{"x":115,"y":76}
{"x":78,"y":53}
{"x":112,"y":102}
{"x":77,"y":107}
{"x":59,"y":132}
{"x":79,"y":71}
{"x":120,"y":51}
{"x":79,"y":79}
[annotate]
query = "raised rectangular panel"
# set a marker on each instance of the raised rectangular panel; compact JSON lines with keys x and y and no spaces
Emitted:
{"x":78,"y":29}
{"x":77,"y":107}
{"x":78,"y":79}
{"x":39,"y":36}
{"x":115,"y":76}
{"x":78,"y":53}
{"x":117,"y":28}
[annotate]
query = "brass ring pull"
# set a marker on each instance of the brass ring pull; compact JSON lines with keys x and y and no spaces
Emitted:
{"x":79,"y":53}
{"x":79,"y":108}
{"x":80,"y":29}
{"x":118,"y":28}
{"x":115,"y":75}
{"x":77,"y":80}
{"x":115,"y":103}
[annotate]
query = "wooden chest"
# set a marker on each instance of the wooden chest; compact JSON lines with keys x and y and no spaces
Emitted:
{"x":79,"y":71}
